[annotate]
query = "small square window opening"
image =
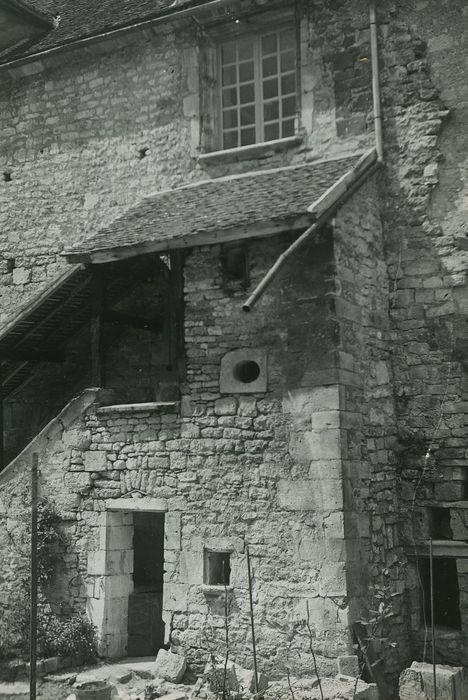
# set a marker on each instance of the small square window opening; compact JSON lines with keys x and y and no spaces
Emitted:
{"x":235,"y":268}
{"x":217,"y":568}
{"x":258,"y":88}
{"x":439,"y":522}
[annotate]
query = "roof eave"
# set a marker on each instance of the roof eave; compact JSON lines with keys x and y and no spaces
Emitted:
{"x":258,"y":229}
{"x":169,"y":15}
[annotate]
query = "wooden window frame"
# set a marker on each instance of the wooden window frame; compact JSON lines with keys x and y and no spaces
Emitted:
{"x":258,"y":80}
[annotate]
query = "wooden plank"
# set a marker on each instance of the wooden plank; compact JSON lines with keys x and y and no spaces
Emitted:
{"x":34,"y":355}
{"x":39,"y":300}
{"x":97,"y":364}
{"x":176,"y":315}
{"x":36,"y":328}
{"x":2,"y":424}
{"x":236,"y":233}
{"x":7,"y":378}
{"x":154,"y":325}
{"x":440,"y":548}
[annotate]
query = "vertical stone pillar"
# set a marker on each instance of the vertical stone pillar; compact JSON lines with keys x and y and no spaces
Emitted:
{"x":111,"y":572}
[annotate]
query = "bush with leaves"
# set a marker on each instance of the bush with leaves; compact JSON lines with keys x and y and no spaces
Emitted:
{"x":49,"y":541}
{"x":14,"y":630}
{"x":74,"y":635}
{"x":56,"y":635}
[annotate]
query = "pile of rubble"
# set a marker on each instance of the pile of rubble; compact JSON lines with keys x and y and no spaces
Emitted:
{"x":163,"y":678}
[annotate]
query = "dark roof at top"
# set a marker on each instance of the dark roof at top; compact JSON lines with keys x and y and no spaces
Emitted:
{"x":85,"y":18}
{"x":25,"y":8}
{"x":182,"y":217}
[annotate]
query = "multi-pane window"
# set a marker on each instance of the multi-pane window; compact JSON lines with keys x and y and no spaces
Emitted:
{"x":258,"y":88}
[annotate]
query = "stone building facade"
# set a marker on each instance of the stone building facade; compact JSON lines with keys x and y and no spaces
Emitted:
{"x":344,"y":453}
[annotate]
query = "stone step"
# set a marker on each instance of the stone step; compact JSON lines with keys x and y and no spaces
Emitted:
{"x":16,"y":691}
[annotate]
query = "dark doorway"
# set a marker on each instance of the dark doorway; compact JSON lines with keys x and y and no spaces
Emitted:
{"x":145,"y":625}
{"x":446,"y":592}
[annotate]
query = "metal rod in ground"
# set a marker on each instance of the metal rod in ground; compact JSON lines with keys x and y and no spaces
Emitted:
{"x":431,"y":577}
{"x":33,"y":590}
{"x":252,"y":625}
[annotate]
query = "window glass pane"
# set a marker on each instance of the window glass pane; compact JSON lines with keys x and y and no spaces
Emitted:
{"x":247,"y":93}
{"x":230,"y":139}
{"x":287,"y":128}
{"x":228,"y":52}
{"x":287,"y":39}
{"x":246,"y":71}
{"x":269,"y":44}
{"x":271,"y":132}
{"x":229,"y":97}
{"x":270,"y":66}
{"x":247,"y":136}
{"x":247,"y":115}
{"x":270,"y":88}
{"x":271,"y":111}
{"x":287,"y":61}
{"x":288,"y":84}
{"x":229,"y":118}
{"x":289,"y":106}
{"x":229,"y":76}
{"x":245,"y":48}
{"x":275,"y":102}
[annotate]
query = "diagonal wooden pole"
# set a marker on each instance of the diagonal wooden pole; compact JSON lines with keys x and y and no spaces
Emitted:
{"x":33,"y":590}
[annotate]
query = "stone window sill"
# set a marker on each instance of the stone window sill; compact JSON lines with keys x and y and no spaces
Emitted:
{"x":215,"y":590}
{"x":442,"y":633}
{"x":132,"y":408}
{"x":441,"y":548}
{"x":257,"y":150}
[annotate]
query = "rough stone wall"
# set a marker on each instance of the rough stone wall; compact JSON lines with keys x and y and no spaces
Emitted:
{"x":423,"y":195}
{"x":70,"y":140}
{"x":261,"y":469}
{"x":71,"y":136}
{"x":368,"y":421}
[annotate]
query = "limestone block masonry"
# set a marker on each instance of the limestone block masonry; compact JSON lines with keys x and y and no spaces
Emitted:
{"x":334,"y":473}
{"x":263,"y":470}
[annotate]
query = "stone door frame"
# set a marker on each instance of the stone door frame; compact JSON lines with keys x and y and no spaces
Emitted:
{"x":110,"y":572}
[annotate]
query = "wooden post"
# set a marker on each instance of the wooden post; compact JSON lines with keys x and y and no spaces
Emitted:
{"x":97,"y":364}
{"x":2,"y":423}
{"x":254,"y":646}
{"x":33,"y":588}
{"x":431,"y":577}
{"x":176,"y":315}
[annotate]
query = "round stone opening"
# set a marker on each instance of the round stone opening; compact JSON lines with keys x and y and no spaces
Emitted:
{"x":247,"y":371}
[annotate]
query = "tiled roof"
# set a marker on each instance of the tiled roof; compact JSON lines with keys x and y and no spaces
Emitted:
{"x":184,"y":216}
{"x":84,"y":18}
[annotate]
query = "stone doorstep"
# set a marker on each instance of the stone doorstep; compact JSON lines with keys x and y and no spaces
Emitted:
{"x":168,"y":696}
{"x":18,"y":690}
{"x":121,"y":671}
{"x":54,"y":663}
